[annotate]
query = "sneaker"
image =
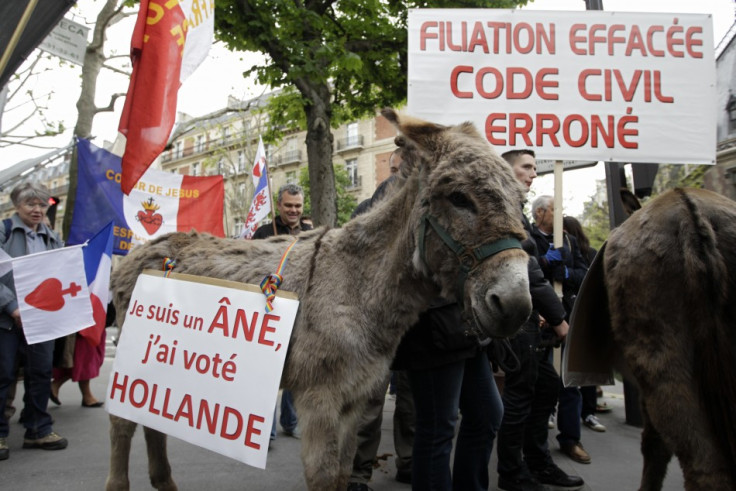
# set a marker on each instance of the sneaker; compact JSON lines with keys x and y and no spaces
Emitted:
{"x":576,"y":452}
{"x":358,"y":486}
{"x":295,"y":433}
{"x":519,"y":482}
{"x":4,"y":450}
{"x":52,"y":441}
{"x":552,"y":422}
{"x":555,"y":478}
{"x":592,"y":422}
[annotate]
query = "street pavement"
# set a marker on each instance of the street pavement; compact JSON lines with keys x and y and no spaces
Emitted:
{"x":616,"y":464}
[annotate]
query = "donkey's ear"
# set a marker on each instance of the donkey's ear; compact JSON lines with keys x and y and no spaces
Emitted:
{"x":425,"y":134}
{"x":630,"y":201}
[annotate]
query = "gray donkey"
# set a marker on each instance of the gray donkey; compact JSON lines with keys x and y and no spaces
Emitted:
{"x":449,"y":226}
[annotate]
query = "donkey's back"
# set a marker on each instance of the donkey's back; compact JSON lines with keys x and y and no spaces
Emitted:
{"x":670,"y":271}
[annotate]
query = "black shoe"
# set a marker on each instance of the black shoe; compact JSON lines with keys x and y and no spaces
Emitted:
{"x":519,"y":482}
{"x":403,"y":476}
{"x":4,"y":450}
{"x":358,"y":486}
{"x":556,"y":478}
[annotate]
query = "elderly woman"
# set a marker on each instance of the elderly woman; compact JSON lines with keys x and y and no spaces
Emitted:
{"x":26,"y":234}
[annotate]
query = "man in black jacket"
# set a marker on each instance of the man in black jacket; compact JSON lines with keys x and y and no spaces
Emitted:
{"x":567,"y":266}
{"x":290,"y":204}
{"x":530,"y":393}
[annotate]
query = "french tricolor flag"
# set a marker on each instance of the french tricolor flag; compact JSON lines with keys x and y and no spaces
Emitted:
{"x":97,"y":265}
{"x":260,"y":207}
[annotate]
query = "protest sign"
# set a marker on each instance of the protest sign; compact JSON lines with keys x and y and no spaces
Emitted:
{"x":590,"y":85}
{"x":201,"y":360}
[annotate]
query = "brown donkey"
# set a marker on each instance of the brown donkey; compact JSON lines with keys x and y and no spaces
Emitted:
{"x":669,"y":282}
{"x":449,"y":226}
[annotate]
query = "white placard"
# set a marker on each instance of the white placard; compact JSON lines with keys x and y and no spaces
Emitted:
{"x":590,"y":85}
{"x":68,"y":40}
{"x":202,"y":362}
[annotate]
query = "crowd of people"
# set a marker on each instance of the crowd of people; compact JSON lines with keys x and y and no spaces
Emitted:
{"x":441,"y":376}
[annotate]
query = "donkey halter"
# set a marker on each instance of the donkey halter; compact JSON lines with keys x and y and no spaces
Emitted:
{"x":469,"y":258}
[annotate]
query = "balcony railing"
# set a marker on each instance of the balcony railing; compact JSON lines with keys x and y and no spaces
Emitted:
{"x":350,"y":143}
{"x":290,"y":157}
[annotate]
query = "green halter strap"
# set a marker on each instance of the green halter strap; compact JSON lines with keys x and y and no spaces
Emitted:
{"x":469,"y":258}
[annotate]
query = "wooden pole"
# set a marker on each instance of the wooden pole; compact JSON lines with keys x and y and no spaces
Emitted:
{"x":17,"y":34}
{"x":557,"y":241}
{"x":270,"y":195}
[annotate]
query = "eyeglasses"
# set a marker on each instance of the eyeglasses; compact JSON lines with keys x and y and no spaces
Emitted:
{"x":31,"y":206}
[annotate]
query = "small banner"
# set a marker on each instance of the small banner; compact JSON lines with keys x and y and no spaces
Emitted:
{"x":201,"y":360}
{"x":160,"y":203}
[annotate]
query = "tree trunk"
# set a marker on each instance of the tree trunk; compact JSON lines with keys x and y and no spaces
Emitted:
{"x":94,"y":58}
{"x":319,"y":154}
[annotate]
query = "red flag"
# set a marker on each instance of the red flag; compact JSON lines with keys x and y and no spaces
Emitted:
{"x":157,"y":47}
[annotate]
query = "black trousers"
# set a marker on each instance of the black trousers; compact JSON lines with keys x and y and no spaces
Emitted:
{"x":529,"y":396}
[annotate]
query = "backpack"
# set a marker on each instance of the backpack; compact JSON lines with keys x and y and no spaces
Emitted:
{"x":8,"y":225}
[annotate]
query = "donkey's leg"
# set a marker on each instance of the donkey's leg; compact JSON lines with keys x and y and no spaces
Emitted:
{"x":656,"y":455}
{"x":348,"y":437}
{"x":675,"y":411}
{"x":319,"y":419}
{"x":121,"y":433}
{"x":159,"y":469}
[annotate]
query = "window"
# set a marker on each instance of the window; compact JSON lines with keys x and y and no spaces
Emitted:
{"x":241,"y":161}
{"x":238,"y":228}
{"x":199,"y":145}
{"x":731,"y":108}
{"x":291,"y":177}
{"x":226,"y":133}
{"x":352,"y":135}
{"x":221,"y":166}
{"x":195,"y":169}
{"x":178,"y":146}
{"x":351,"y":166}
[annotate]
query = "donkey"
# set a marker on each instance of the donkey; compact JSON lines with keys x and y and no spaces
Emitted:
{"x":448,"y":226}
{"x":670,"y":276}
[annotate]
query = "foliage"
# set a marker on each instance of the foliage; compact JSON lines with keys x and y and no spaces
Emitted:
{"x":335,"y":61}
{"x":595,"y":222}
{"x":346,"y":202}
{"x":670,"y":176}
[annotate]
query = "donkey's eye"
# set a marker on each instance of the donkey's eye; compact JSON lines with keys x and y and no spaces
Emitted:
{"x":459,"y":200}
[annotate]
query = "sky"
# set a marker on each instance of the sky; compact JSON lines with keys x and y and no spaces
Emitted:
{"x":220,"y":75}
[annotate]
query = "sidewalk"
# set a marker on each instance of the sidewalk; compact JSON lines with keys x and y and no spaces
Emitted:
{"x":616,"y":465}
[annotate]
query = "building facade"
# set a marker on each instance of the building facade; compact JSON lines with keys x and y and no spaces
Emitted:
{"x":225,"y":142}
{"x":722,"y":177}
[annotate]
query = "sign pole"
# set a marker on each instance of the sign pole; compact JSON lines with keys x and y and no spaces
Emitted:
{"x":557,"y":241}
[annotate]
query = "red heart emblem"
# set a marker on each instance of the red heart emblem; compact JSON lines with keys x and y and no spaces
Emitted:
{"x":49,"y":295}
{"x":151,"y":221}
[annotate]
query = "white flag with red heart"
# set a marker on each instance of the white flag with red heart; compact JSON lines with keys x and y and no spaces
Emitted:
{"x":52,"y":292}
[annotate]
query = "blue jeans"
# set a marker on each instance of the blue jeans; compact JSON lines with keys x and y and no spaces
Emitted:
{"x":37,"y":364}
{"x":569,"y":407}
{"x":288,"y":413}
{"x":568,"y":415}
{"x":466,"y":385}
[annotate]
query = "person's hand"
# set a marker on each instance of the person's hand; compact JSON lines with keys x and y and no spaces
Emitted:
{"x":16,"y":317}
{"x":553,"y":256}
{"x":561,"y":329}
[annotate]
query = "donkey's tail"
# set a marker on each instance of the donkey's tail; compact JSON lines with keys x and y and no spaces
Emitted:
{"x":708,"y":276}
